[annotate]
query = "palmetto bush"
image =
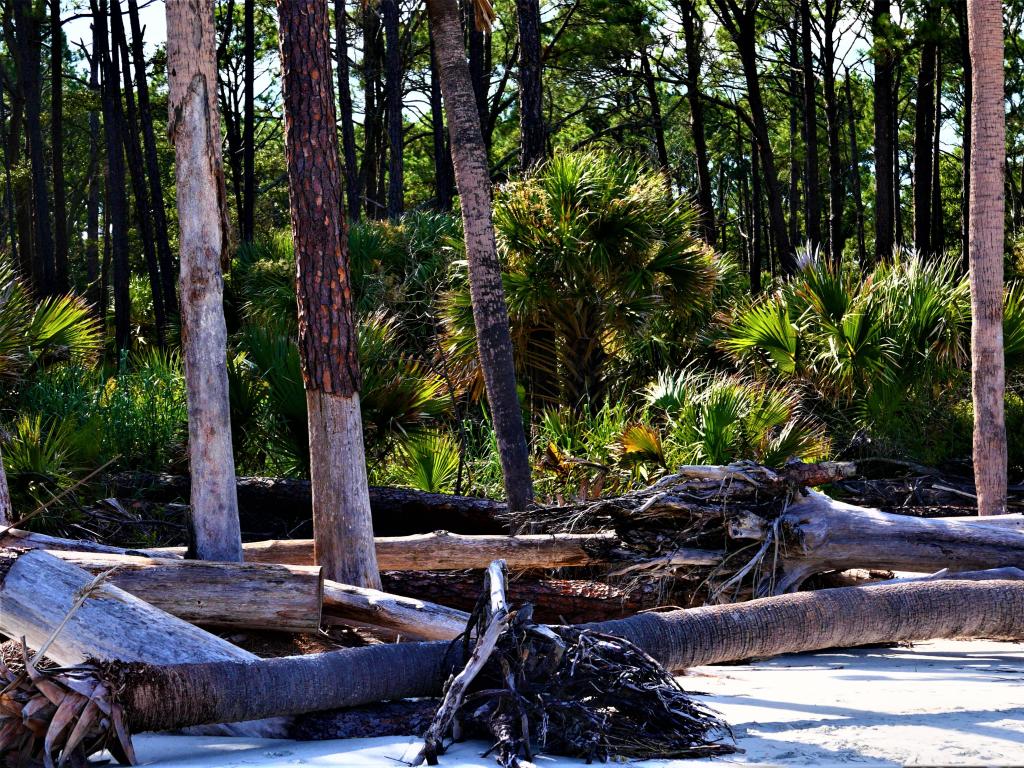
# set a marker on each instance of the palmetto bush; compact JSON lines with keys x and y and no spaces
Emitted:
{"x":595,"y":255}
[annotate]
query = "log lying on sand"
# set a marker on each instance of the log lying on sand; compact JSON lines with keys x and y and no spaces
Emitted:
{"x":168,"y":697}
{"x":286,"y":598}
{"x":273,"y":506}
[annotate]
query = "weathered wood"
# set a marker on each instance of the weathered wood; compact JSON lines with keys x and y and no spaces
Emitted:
{"x":285,"y":598}
{"x":273,"y":506}
{"x":6,"y":510}
{"x":406,"y":617}
{"x":15,"y":537}
{"x":39,"y":589}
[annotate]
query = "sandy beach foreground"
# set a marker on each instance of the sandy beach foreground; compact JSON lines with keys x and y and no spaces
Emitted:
{"x":943,"y":703}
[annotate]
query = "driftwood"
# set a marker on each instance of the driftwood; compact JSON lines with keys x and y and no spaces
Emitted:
{"x":178,"y":695}
{"x":274,"y":506}
{"x":404,"y":617}
{"x":285,"y":598}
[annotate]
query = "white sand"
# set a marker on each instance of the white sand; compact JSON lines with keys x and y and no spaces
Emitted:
{"x":944,"y":703}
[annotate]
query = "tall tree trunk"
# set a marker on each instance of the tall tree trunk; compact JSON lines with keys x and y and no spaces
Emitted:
{"x":6,"y":509}
{"x":883,"y":130}
{"x":693,"y":37}
{"x":393,"y":97}
{"x":371,"y":111}
{"x":965,"y":130}
{"x":756,"y":243}
{"x":812,"y":184}
{"x":9,"y":212}
{"x":164,"y":255}
{"x":924,"y":124}
{"x":651,"y":86}
{"x":836,"y":194}
{"x":133,"y":150}
{"x":29,"y":47}
{"x":194,"y":130}
{"x":796,"y":97}
{"x":348,"y":130}
{"x":858,"y":200}
{"x":92,"y":205}
{"x":60,"y":208}
{"x":342,"y":526}
{"x":938,"y":234}
{"x":532,"y":134}
{"x":490,"y":313}
{"x":897,"y":165}
{"x":478,"y":71}
{"x":248,"y":212}
{"x":116,"y":207}
{"x":443,"y":172}
{"x":988,"y":157}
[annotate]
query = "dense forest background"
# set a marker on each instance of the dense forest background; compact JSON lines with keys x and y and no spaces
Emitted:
{"x":729,"y":230}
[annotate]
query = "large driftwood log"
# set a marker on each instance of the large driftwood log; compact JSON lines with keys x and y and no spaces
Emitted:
{"x":285,"y":598}
{"x":274,"y":506}
{"x":161,"y":698}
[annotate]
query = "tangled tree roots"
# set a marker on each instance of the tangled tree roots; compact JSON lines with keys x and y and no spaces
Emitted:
{"x":58,"y":716}
{"x":566,"y":691}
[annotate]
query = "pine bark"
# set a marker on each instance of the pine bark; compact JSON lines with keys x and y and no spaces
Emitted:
{"x":532,"y":134}
{"x":987,"y":212}
{"x":490,"y":314}
{"x":194,"y":130}
{"x":342,"y":525}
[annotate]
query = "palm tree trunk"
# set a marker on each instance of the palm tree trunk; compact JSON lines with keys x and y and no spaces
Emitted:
{"x":490,"y":313}
{"x":194,"y":130}
{"x":342,"y":526}
{"x":987,"y":212}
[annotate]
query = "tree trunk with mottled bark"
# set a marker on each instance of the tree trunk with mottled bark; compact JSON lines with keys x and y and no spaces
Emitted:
{"x":490,"y":314}
{"x":342,"y":525}
{"x":194,"y":129}
{"x":987,"y":222}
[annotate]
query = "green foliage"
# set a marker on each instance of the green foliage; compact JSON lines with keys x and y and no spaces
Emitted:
{"x":429,"y":462}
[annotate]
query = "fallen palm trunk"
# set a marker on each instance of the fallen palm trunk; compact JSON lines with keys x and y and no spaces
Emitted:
{"x":168,"y":697}
{"x":285,"y":598}
{"x":269,"y":504}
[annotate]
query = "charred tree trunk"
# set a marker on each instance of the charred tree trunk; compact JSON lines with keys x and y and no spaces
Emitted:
{"x":165,"y":258}
{"x":194,"y":130}
{"x":29,"y":45}
{"x":490,"y":314}
{"x":348,"y":131}
{"x":443,"y":171}
{"x":693,"y":37}
{"x":342,"y":526}
{"x":60,"y":207}
{"x":393,"y":107}
{"x":885,"y":182}
{"x":136,"y":166}
{"x":116,"y":197}
{"x":532,"y":134}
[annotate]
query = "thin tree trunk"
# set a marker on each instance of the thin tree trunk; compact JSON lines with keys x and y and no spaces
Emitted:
{"x":29,"y":46}
{"x":812,"y":184}
{"x":6,"y":509}
{"x":194,"y":130}
{"x":443,"y":171}
{"x":756,"y":245}
{"x":883,"y":130}
{"x":490,"y":313}
{"x":532,"y":133}
{"x":92,"y":215}
{"x":897,"y":165}
{"x":836,"y":194}
{"x":651,"y":86}
{"x":924,"y":124}
{"x":796,"y":94}
{"x":342,"y":525}
{"x":393,"y":98}
{"x":165,"y":257}
{"x":988,"y":157}
{"x":478,"y":73}
{"x":965,"y":130}
{"x":692,"y":34}
{"x":248,"y":212}
{"x":136,"y":166}
{"x":937,"y":234}
{"x":116,"y":197}
{"x":858,"y":200}
{"x":371,"y":111}
{"x":348,"y":131}
{"x":60,"y":209}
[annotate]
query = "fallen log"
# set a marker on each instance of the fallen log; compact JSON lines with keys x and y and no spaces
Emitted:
{"x":285,"y":598}
{"x":20,"y":539}
{"x":273,"y":506}
{"x":405,"y":617}
{"x":167,"y":697}
{"x":555,"y":601}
